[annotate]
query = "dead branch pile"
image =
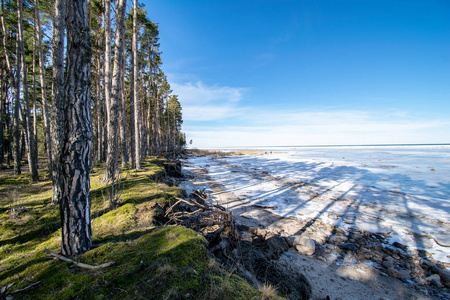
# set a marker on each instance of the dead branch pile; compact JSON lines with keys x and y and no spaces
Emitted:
{"x":211,"y":220}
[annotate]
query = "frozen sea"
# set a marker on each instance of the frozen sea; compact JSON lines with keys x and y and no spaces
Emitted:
{"x":401,"y":190}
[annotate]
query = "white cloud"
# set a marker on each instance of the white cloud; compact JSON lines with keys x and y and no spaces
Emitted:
{"x":201,"y":93}
{"x":202,"y":102}
{"x":337,"y":127}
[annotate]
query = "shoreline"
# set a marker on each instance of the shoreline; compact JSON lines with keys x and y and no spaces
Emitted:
{"x":334,"y":257}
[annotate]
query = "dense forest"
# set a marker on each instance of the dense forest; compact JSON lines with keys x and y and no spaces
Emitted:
{"x":82,"y":84}
{"x":132,"y":109}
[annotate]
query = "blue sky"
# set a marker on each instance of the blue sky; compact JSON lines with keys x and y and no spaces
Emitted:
{"x":308,"y":72}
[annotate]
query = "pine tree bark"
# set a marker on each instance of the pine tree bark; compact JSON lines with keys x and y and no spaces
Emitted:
{"x":2,"y":114}
{"x":32,"y":153}
{"x":107,"y":77}
{"x":99,"y":115}
{"x":112,"y":153}
{"x":45,"y":111}
{"x":59,"y":25}
{"x":34,"y":93}
{"x":9,"y":70}
{"x":157,"y":124}
{"x":137,"y":142}
{"x":75,"y":202}
{"x":17,"y":156}
{"x":122,"y":118}
{"x":131,"y":122}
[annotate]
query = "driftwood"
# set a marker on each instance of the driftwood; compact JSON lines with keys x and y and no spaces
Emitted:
{"x":79,"y":264}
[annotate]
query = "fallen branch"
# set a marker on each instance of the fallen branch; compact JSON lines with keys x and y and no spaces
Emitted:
{"x":170,"y":208}
{"x":3,"y":289}
{"x":194,"y":203}
{"x":33,"y":285}
{"x":78,"y":264}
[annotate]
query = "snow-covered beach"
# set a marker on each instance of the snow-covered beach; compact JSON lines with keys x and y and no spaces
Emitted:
{"x":403,"y":191}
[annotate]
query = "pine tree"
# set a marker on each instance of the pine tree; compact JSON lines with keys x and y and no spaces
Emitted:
{"x":75,"y":203}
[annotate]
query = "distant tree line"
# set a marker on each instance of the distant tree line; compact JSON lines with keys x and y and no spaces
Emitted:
{"x":81,"y":83}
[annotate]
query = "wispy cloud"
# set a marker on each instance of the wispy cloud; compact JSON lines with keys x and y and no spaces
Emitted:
{"x":202,"y":102}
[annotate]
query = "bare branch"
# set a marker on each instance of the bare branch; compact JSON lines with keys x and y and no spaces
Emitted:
{"x":78,"y":264}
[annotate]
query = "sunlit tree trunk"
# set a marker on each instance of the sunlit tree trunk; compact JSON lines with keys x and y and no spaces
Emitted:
{"x":75,"y":203}
{"x":57,"y":119}
{"x":32,"y":153}
{"x":17,"y":156}
{"x":3,"y":97}
{"x":122,"y":118}
{"x":100,"y":110}
{"x":111,"y":146}
{"x":34,"y":94}
{"x":135,"y":83}
{"x":112,"y":152}
{"x":45,"y":111}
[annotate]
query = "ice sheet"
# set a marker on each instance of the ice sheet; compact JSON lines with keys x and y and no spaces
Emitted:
{"x":404,"y":190}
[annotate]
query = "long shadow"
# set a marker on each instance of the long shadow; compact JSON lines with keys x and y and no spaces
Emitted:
{"x":435,"y":197}
{"x":325,"y":209}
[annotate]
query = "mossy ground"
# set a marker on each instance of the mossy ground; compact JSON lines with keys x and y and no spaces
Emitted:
{"x":150,"y":262}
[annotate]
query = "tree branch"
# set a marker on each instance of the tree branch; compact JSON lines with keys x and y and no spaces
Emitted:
{"x":33,"y":285}
{"x":78,"y":264}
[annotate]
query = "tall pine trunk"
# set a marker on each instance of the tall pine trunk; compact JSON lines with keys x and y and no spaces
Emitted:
{"x":107,"y":73}
{"x":32,"y":153}
{"x":57,"y":119}
{"x":157,"y":123}
{"x":99,"y":114}
{"x":3,"y":98}
{"x":17,"y":156}
{"x":45,"y":111}
{"x":112,"y":153}
{"x":137,"y":141}
{"x":122,"y":118}
{"x":75,"y":202}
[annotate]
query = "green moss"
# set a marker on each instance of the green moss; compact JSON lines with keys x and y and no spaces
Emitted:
{"x":115,"y":222}
{"x":166,"y":262}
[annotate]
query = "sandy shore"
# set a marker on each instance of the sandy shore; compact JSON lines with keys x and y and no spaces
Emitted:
{"x":331,"y":271}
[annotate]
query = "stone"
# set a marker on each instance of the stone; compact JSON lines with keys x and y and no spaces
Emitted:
{"x":296,"y":239}
{"x":405,"y":274}
{"x":388,"y":264}
{"x":376,"y":245}
{"x":433,"y":278}
{"x":436,"y":283}
{"x":339,"y":230}
{"x":258,"y":231}
{"x":428,"y":264}
{"x":394,"y":273}
{"x":401,"y":246}
{"x":330,"y":246}
{"x":424,"y":253}
{"x":348,"y":246}
{"x":421,"y":281}
{"x":445,"y":278}
{"x":307,"y":247}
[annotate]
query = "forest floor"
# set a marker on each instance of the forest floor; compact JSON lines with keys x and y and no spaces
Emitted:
{"x":332,"y":271}
{"x":150,"y":259}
